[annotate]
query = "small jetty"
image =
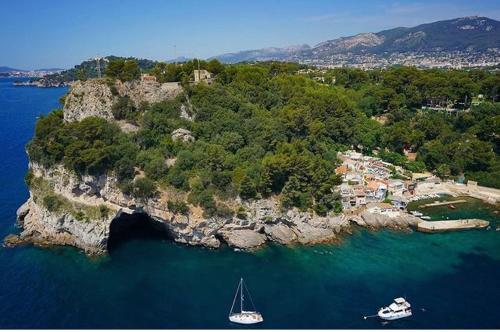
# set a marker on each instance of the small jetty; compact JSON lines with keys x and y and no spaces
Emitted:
{"x":437,"y":203}
{"x":451,"y":225}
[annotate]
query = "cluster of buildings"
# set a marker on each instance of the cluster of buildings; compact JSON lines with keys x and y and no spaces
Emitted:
{"x":317,"y":75}
{"x":453,"y":107}
{"x":369,"y":180}
{"x":31,"y":73}
{"x":436,"y":59}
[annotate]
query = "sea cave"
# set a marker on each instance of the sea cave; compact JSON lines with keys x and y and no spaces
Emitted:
{"x":137,"y":226}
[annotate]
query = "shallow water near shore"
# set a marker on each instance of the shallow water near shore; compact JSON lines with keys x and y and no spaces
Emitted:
{"x":149,"y":282}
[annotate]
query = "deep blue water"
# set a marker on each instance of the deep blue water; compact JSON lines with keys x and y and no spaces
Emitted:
{"x":152,"y":283}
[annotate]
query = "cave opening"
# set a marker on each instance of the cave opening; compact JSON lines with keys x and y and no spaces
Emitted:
{"x":137,"y":226}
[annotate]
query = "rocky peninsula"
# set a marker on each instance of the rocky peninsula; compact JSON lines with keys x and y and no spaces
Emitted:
{"x":264,"y":220}
{"x":93,"y":208}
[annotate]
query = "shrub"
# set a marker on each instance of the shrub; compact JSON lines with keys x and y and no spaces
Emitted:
{"x":28,"y":177}
{"x":144,"y":188}
{"x":241,"y":213}
{"x":104,"y":211}
{"x":204,"y":199}
{"x":248,"y":189}
{"x":124,"y":109}
{"x":52,"y":202}
{"x":224,"y":211}
{"x":178,"y":207}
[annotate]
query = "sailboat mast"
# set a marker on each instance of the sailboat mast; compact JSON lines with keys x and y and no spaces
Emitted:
{"x":241,"y":295}
{"x":234,"y":300}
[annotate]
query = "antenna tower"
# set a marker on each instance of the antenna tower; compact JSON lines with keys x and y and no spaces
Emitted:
{"x":98,"y":66}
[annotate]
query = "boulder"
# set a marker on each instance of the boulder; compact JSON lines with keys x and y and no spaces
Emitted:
{"x":243,"y":238}
{"x":280,"y":233}
{"x":394,"y":220}
{"x":308,"y":234}
{"x":184,"y":113}
{"x":183,"y":135}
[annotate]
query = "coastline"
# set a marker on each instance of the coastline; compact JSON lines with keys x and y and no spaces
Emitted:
{"x":266,"y":221}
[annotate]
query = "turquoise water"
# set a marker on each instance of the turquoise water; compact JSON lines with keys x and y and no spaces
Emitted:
{"x":147,"y":282}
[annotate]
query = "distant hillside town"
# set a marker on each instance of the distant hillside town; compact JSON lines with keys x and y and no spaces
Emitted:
{"x":457,"y":43}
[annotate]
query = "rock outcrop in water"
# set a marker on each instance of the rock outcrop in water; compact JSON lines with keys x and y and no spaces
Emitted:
{"x":88,"y":206}
{"x":42,"y":227}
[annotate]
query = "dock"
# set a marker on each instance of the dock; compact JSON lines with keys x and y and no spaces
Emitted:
{"x":451,"y":225}
{"x":437,"y":203}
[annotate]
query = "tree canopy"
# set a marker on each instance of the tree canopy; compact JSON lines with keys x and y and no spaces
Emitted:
{"x":264,"y":129}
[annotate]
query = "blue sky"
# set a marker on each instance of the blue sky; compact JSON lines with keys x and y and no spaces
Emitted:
{"x":57,"y":33}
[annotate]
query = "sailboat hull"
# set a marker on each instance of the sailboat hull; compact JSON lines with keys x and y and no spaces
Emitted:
{"x":246,"y":318}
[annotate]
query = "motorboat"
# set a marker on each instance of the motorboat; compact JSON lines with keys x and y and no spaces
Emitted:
{"x":400,"y":308}
{"x":416,"y":213}
{"x":243,"y":316}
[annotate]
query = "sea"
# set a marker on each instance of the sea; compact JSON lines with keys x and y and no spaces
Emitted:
{"x":452,"y":279}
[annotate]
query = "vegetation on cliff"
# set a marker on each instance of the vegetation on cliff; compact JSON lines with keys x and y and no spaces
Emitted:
{"x":44,"y":194}
{"x":263,"y":129}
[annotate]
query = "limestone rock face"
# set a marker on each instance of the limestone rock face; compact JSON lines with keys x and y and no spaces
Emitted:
{"x":96,"y":98}
{"x":265,"y":219}
{"x":147,"y":91}
{"x":183,"y":135}
{"x":89,"y":98}
{"x":185,"y":115}
{"x":45,"y":228}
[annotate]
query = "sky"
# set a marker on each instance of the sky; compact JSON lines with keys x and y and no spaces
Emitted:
{"x":62,"y":33}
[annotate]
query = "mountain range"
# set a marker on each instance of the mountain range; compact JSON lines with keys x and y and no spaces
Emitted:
{"x":4,"y":69}
{"x":465,"y":41}
{"x":467,"y":34}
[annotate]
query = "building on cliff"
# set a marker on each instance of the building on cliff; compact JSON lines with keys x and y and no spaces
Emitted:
{"x":202,"y":75}
{"x":148,"y":78}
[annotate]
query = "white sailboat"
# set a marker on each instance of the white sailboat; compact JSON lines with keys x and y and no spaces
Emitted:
{"x":244,"y":316}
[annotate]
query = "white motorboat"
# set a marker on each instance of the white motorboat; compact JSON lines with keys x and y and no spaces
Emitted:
{"x":416,"y":213}
{"x":400,"y":308}
{"x":244,"y":316}
{"x":425,"y":217}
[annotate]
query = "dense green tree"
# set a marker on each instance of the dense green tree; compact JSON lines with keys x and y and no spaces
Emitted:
{"x":124,"y":70}
{"x":144,"y":188}
{"x":248,"y":188}
{"x":124,"y":109}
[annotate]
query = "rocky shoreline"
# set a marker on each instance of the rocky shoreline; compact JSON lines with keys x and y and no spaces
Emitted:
{"x":265,"y":221}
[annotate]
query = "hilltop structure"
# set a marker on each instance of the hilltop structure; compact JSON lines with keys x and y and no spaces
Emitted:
{"x":202,"y":75}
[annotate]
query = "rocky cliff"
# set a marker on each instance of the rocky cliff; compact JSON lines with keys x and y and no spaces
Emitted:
{"x":96,"y":97}
{"x":84,"y":211}
{"x":264,"y":221}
